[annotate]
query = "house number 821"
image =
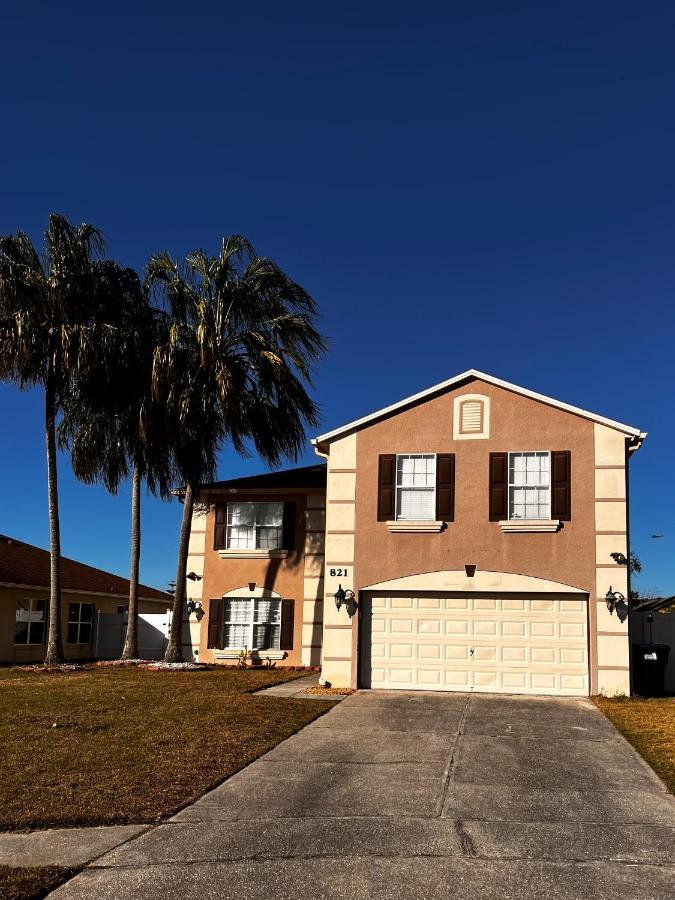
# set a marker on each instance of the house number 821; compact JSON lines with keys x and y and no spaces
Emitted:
{"x":339,"y":573}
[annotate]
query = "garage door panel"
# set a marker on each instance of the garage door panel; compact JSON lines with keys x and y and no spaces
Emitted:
{"x":429,"y":627}
{"x":532,"y":645}
{"x":430,"y":603}
{"x":483,"y":603}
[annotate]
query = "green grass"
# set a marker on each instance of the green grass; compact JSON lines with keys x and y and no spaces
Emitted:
{"x":31,"y":884}
{"x":649,"y":725}
{"x":122,"y":746}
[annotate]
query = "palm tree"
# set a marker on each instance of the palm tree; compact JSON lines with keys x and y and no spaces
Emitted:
{"x":234,"y":368}
{"x":113,"y":426}
{"x":46,"y":304}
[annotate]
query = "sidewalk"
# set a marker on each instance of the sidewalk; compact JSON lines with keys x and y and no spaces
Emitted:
{"x":294,"y":689}
{"x":68,"y":847}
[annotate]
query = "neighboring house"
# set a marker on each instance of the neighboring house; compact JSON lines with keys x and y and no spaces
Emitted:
{"x":475,"y":523}
{"x":86,"y":592}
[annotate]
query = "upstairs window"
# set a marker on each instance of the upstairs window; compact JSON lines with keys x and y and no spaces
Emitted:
{"x":530,"y":485}
{"x":254,"y":526}
{"x":416,"y":486}
{"x":29,"y":623}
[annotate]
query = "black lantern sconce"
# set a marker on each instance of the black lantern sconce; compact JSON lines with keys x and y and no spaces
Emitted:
{"x":345,"y":598}
{"x":195,"y":606}
{"x":616,"y":602}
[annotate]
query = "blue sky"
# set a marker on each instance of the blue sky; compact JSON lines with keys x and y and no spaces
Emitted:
{"x":459,"y":185}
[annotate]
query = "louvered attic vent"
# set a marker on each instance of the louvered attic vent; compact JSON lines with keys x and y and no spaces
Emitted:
{"x":471,"y":417}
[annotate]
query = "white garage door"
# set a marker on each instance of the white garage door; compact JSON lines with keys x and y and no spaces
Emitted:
{"x":514,"y":645}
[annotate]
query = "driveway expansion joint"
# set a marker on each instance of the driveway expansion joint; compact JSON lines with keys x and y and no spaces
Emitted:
{"x":453,"y":756}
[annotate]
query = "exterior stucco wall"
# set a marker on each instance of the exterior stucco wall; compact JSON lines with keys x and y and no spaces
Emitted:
{"x":340,"y":635}
{"x":9,"y":652}
{"x":577,"y":555}
{"x":611,"y":536}
{"x":295,"y":577}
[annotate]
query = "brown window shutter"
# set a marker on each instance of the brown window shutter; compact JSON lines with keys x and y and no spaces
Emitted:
{"x":445,"y":486}
{"x":220,"y":528}
{"x":216,"y":617}
{"x":288,"y":531}
{"x":287,"y":616}
{"x":499,"y":486}
{"x":386,"y":487}
{"x":561,"y":485}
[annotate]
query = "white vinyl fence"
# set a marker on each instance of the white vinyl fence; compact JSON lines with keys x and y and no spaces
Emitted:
{"x":153,"y":631}
{"x":153,"y":636}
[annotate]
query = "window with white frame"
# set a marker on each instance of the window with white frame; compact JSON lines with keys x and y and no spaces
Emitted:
{"x":254,"y":526}
{"x":416,"y":486}
{"x":29,"y":623}
{"x":530,"y":485}
{"x":80,"y":622}
{"x":255,"y":624}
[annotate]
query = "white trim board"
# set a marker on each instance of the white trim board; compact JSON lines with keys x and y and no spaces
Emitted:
{"x":329,"y":436}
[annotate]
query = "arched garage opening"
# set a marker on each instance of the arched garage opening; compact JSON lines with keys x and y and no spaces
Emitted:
{"x":496,"y":632}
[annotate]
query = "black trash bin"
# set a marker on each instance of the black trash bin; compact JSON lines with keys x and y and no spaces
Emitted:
{"x":649,"y":669}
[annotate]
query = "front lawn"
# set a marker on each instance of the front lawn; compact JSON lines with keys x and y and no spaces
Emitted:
{"x":31,"y":884}
{"x":122,"y":746}
{"x":649,"y":725}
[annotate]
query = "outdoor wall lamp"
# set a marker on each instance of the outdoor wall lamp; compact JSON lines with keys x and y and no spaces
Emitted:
{"x":616,"y":602}
{"x":193,"y":576}
{"x":345,"y":598}
{"x":195,"y":606}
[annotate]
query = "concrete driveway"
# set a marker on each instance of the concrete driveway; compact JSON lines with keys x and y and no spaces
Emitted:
{"x":397,"y":795}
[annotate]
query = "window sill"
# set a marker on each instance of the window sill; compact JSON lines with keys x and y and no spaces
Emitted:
{"x":414,"y":526}
{"x":233,"y":653}
{"x":529,"y":525}
{"x":253,"y":554}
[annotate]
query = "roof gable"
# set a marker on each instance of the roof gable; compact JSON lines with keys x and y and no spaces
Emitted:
{"x":471,"y":374}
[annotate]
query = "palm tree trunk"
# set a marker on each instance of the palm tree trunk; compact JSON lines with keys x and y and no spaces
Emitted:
{"x":130,"y":650}
{"x":54,"y":640}
{"x":174,"y":650}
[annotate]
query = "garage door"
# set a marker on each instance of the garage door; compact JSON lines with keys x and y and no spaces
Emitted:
{"x":515,"y":645}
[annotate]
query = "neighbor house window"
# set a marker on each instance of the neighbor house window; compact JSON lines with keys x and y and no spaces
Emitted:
{"x":29,"y":624}
{"x":530,"y":485}
{"x":254,"y":526}
{"x":255,"y":624}
{"x":80,"y":622}
{"x":416,"y":486}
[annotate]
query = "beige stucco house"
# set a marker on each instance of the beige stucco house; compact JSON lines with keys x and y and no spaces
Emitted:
{"x":86,"y":592}
{"x":478,"y":524}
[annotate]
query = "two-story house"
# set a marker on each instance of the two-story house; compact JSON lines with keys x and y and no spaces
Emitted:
{"x":479,"y":526}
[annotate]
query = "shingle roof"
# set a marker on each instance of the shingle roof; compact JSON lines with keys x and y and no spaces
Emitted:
{"x":304,"y":477}
{"x":26,"y":564}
